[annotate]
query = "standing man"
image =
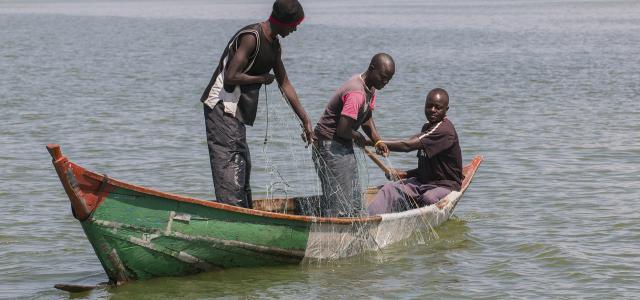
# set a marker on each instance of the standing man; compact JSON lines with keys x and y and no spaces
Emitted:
{"x":439,"y":162}
{"x":231,"y":98}
{"x":350,"y":107}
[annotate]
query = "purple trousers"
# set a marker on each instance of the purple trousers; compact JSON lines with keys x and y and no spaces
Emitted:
{"x":405,"y":194}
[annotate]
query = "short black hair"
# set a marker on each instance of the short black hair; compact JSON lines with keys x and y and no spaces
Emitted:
{"x":287,"y":11}
{"x":438,"y":92}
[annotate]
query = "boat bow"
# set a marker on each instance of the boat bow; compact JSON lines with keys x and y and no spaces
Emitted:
{"x":85,"y":193}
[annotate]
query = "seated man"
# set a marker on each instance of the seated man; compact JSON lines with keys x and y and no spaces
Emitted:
{"x":350,"y":108}
{"x":439,"y":162}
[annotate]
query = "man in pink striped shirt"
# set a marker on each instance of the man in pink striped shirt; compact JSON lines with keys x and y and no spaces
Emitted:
{"x":350,"y":108}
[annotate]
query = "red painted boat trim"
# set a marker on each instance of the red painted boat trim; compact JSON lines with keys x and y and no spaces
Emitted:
{"x":85,"y":193}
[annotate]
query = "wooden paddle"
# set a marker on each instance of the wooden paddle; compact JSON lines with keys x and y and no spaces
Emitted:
{"x":376,"y":160}
{"x":76,"y":288}
{"x":85,"y":284}
{"x":380,"y":164}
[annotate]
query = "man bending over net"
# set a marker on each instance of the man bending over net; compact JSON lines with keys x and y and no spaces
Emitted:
{"x":439,"y":162}
{"x":350,"y":107}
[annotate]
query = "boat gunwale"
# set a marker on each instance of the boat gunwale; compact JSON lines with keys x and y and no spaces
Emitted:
{"x":58,"y":156}
{"x":227,"y":207}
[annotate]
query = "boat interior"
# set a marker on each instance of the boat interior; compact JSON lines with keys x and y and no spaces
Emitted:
{"x":308,"y":205}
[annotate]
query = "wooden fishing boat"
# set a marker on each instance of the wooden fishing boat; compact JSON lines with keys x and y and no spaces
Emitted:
{"x":139,"y":233}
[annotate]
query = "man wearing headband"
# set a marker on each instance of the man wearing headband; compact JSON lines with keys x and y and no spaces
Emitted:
{"x":350,"y":108}
{"x":231,"y":98}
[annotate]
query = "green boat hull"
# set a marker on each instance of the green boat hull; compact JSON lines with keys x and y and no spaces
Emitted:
{"x":137,"y":236}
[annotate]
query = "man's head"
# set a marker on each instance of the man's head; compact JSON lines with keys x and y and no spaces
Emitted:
{"x":286,"y":16}
{"x":436,"y":105}
{"x":381,"y":70}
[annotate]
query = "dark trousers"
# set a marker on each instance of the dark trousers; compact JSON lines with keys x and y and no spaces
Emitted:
{"x":338,"y":171}
{"x":229,"y":156}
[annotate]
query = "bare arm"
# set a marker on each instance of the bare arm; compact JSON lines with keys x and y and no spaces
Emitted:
{"x":234,"y":73}
{"x":411,"y":144}
{"x":369,"y":128}
{"x":408,"y":145}
{"x":292,"y":97}
{"x":344,"y":131}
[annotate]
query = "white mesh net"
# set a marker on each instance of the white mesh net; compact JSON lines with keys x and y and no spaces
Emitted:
{"x":285,"y":180}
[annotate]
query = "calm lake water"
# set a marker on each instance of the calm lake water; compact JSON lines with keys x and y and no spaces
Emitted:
{"x":547,"y":91}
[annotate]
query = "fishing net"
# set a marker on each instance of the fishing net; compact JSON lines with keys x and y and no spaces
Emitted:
{"x":285,"y":180}
{"x":283,"y":168}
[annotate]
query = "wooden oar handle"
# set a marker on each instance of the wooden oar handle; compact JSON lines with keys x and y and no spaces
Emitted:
{"x":377,"y":160}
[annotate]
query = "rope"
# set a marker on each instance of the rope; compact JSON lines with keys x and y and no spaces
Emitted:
{"x":432,"y":129}
{"x":266,"y":102}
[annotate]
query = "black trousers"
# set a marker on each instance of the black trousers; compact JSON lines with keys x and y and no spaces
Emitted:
{"x":229,"y":156}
